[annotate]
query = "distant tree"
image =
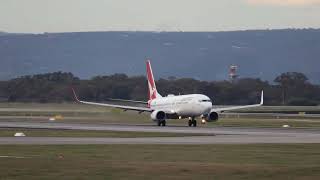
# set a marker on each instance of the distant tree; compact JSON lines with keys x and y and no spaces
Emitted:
{"x":172,"y":78}
{"x":291,"y":80}
{"x":49,"y":87}
{"x":55,"y":87}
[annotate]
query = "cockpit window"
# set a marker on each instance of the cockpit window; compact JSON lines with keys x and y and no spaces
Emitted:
{"x":205,"y":100}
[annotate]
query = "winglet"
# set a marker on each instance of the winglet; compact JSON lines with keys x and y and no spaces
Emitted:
{"x":75,"y":95}
{"x":262,"y":98}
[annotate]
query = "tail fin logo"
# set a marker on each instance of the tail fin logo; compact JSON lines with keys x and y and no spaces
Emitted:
{"x":151,"y":84}
{"x":152,"y":89}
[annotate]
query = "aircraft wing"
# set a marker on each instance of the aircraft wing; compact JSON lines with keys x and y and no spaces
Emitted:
{"x":239,"y":107}
{"x":132,"y":101}
{"x":133,"y":108}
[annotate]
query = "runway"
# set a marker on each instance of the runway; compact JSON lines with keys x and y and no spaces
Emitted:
{"x":215,"y":135}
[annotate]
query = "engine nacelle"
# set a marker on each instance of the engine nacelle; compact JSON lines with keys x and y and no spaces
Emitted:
{"x":212,"y":117}
{"x":158,"y":115}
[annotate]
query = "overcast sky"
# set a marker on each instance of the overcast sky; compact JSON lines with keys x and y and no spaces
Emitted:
{"x":38,"y":16}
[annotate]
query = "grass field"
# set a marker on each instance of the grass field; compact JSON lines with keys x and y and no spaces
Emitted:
{"x":79,"y":113}
{"x":9,"y":132}
{"x":296,"y":161}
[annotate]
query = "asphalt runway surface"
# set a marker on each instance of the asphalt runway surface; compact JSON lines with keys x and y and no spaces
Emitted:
{"x":215,"y":135}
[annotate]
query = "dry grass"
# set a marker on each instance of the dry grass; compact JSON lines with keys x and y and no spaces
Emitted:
{"x":161,"y":162}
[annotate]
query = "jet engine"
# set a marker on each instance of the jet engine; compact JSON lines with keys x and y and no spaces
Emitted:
{"x":158,"y":115}
{"x":212,"y":117}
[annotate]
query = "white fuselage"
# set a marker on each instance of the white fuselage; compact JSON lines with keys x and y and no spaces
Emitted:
{"x":183,"y":105}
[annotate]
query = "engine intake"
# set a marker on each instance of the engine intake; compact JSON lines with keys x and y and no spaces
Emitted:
{"x":158,"y":115}
{"x":212,"y":117}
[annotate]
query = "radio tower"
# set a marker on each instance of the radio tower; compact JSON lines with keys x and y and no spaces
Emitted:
{"x":233,"y":73}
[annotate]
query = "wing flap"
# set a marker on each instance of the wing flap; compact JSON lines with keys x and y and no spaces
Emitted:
{"x":133,"y":108}
{"x":131,"y":101}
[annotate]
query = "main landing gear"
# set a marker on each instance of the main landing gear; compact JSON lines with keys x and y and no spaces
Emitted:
{"x":192,"y":122}
{"x":162,"y":123}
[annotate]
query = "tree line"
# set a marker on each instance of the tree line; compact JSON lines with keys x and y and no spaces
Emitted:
{"x":291,"y":88}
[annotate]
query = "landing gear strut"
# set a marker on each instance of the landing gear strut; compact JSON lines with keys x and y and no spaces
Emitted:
{"x":162,"y":123}
{"x":192,"y":122}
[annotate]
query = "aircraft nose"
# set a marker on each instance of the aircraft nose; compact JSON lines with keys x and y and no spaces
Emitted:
{"x":208,"y":107}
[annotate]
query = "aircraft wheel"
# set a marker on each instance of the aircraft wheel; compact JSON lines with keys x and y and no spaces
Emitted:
{"x":194,"y":123}
{"x":190,"y":123}
{"x":164,"y":123}
{"x":159,"y":123}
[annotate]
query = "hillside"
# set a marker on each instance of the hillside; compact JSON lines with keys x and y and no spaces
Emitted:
{"x":201,"y":55}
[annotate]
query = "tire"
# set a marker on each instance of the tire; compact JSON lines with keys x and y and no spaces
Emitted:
{"x":164,"y":123}
{"x":194,"y":123}
{"x":159,"y":123}
{"x":190,"y":123}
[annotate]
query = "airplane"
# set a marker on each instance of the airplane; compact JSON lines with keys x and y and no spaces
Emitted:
{"x":173,"y":107}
